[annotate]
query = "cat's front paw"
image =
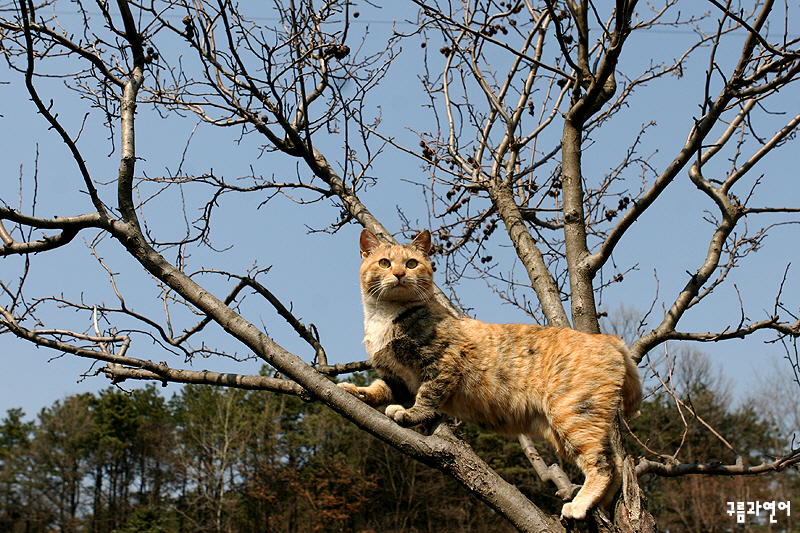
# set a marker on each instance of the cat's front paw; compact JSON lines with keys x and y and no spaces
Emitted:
{"x":352,"y":389}
{"x":409,"y":417}
{"x":397,"y":413}
{"x":573,"y":512}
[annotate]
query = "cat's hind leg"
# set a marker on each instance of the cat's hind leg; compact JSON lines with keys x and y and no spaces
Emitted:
{"x":599,"y":466}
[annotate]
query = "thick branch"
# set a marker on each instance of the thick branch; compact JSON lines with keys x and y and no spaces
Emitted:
{"x":127,"y":136}
{"x":530,"y":255}
{"x":600,"y":87}
{"x":69,"y":227}
{"x":344,"y":368}
{"x":42,"y":245}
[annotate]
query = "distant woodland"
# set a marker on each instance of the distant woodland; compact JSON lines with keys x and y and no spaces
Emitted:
{"x":225,"y":460}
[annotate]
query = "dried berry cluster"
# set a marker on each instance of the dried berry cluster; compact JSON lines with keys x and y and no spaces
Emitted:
{"x":339,"y":51}
{"x":623,"y":203}
{"x":555,"y":187}
{"x":492,"y":30}
{"x":427,"y":153}
{"x":188,"y":29}
{"x":151,"y":56}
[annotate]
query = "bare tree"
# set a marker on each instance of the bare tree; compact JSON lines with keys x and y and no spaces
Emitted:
{"x":295,"y":83}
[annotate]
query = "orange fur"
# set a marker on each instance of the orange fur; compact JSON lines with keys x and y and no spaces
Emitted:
{"x":509,"y":378}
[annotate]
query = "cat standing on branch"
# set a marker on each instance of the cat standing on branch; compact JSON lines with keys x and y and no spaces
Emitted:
{"x":536,"y":121}
{"x":514,"y":379}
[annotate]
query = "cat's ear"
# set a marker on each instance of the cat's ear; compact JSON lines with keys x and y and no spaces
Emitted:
{"x":422,"y":243}
{"x":368,"y":243}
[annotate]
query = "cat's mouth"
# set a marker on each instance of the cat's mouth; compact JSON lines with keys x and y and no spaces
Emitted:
{"x":400,"y":289}
{"x":400,"y":285}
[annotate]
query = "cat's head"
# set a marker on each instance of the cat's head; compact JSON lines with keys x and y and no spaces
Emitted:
{"x":400,"y":273}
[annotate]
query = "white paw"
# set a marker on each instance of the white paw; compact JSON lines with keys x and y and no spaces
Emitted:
{"x":573,"y":512}
{"x":396,"y":413}
{"x":349,"y":387}
{"x":352,"y":389}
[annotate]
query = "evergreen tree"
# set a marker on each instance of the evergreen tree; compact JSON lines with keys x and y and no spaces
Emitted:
{"x":15,"y":439}
{"x":61,"y":454}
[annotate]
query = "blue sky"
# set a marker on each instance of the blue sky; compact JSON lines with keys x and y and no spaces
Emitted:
{"x":316,"y":272}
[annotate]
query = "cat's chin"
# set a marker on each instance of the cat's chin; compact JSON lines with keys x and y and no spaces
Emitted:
{"x":401,"y":294}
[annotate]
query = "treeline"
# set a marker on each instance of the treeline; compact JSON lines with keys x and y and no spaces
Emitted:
{"x":225,"y":460}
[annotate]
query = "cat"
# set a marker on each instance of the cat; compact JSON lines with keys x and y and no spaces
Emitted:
{"x":513,"y":379}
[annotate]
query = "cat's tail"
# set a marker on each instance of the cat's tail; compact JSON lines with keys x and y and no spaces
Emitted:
{"x":632,"y":387}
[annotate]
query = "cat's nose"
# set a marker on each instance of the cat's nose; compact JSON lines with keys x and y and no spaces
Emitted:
{"x":399,"y":275}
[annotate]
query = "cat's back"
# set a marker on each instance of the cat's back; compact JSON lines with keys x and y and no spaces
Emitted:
{"x":544,"y":347}
{"x":513,"y":374}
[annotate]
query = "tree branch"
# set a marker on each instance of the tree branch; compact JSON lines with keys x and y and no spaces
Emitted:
{"x":51,"y":119}
{"x":69,"y":226}
{"x":553,"y":473}
{"x":715,"y":468}
{"x":118,"y":373}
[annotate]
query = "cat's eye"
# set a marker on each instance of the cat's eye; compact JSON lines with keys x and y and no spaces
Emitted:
{"x":412,"y":263}
{"x":384,"y":263}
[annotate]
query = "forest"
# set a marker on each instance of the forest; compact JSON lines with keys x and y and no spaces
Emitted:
{"x":211,"y":459}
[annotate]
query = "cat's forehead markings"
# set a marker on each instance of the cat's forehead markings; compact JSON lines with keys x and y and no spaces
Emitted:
{"x":396,"y":249}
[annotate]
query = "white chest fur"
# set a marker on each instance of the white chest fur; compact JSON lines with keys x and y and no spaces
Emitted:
{"x":379,"y":331}
{"x":379,"y":324}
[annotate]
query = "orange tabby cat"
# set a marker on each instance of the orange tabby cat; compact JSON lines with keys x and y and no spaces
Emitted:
{"x":510,"y":378}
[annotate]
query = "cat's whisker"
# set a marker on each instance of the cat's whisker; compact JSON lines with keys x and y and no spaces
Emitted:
{"x":376,"y":288}
{"x":421,"y":293}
